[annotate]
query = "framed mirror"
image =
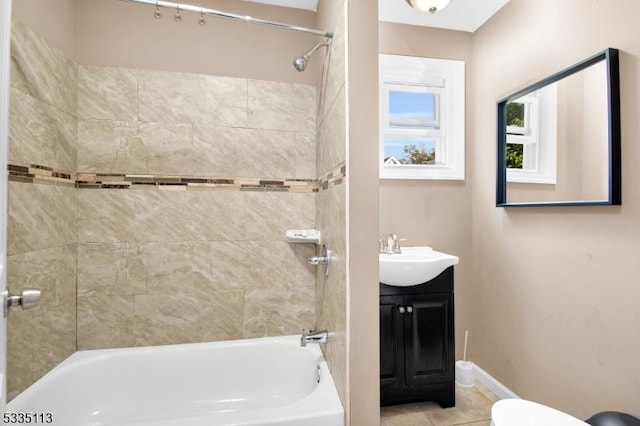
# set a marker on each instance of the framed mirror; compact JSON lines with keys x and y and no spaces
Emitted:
{"x":559,"y":139}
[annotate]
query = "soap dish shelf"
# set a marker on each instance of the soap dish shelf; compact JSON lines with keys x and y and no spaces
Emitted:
{"x":311,"y":236}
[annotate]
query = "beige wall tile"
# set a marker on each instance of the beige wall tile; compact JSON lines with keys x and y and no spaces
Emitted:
{"x":304,"y":156}
{"x":106,"y":215}
{"x":65,"y":148}
{"x":217,"y":215}
{"x":282,"y":106}
{"x":270,"y":214}
{"x":334,"y":73}
{"x":188,"y":318}
{"x":305,"y":274}
{"x":267,"y":153}
{"x":40,"y":133}
{"x":46,"y":72}
{"x":331,"y":292}
{"x":32,"y":129}
{"x":51,"y":339}
{"x":225,"y":100}
{"x":105,"y":321}
{"x":223,"y":265}
{"x":42,"y":219}
{"x":51,"y":326}
{"x":330,"y":214}
{"x":171,"y":103}
{"x":17,"y":80}
{"x":168,"y":97}
{"x":276,"y":312}
{"x":167,"y":148}
{"x":168,"y":267}
{"x":40,"y":216}
{"x":66,"y":276}
{"x":51,"y":270}
{"x":253,"y":153}
{"x":332,"y":137}
{"x":106,"y":93}
{"x":219,"y":149}
{"x":191,"y":98}
{"x":108,"y":146}
{"x":111,"y":269}
{"x":161,"y":216}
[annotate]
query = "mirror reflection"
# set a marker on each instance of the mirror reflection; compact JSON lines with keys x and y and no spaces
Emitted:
{"x":556,"y":139}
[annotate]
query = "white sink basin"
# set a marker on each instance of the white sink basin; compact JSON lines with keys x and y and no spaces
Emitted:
{"x":415,"y":265}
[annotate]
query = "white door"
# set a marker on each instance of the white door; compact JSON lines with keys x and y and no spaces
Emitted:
{"x":5,"y":35}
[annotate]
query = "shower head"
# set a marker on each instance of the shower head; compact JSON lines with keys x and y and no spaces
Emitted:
{"x":300,"y":63}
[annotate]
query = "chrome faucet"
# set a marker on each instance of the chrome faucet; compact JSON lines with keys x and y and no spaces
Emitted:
{"x":392,"y":246}
{"x":313,"y":337}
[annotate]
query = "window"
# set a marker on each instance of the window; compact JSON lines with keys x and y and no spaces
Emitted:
{"x":422,"y":118}
{"x":531,"y":137}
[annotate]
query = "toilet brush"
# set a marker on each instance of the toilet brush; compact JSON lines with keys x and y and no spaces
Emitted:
{"x":464,"y":368}
{"x":466,"y":339}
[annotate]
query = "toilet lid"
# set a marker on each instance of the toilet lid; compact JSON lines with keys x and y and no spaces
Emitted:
{"x":520,"y":412}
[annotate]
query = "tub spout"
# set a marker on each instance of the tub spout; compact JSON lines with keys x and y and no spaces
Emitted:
{"x":313,"y":337}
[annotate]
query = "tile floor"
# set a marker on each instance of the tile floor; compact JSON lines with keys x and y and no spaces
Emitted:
{"x":473,"y":408}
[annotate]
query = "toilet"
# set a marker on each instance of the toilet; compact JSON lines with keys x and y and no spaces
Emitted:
{"x":520,"y":412}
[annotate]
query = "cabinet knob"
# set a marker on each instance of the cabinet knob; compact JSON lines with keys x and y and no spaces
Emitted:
{"x":409,"y":309}
{"x":401,"y":309}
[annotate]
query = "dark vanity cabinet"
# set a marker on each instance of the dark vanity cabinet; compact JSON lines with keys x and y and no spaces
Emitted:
{"x":417,"y":356}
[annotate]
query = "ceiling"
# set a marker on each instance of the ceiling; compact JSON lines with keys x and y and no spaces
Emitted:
{"x":298,"y":4}
{"x":461,"y":15}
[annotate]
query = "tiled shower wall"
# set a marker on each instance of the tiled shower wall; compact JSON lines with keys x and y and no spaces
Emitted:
{"x":42,"y":218}
{"x":176,"y":264}
{"x":331,"y":292}
{"x":157,"y":261}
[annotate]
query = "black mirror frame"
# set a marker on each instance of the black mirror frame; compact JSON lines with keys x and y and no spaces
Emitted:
{"x":610,"y":56}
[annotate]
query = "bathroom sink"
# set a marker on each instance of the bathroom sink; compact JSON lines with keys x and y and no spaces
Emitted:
{"x":415,"y":265}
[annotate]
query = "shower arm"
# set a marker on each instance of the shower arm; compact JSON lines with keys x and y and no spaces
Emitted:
{"x":316,"y":47}
{"x":226,"y":15}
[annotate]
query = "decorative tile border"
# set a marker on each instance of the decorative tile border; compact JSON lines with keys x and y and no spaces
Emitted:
{"x":334,"y":177}
{"x":33,"y":173}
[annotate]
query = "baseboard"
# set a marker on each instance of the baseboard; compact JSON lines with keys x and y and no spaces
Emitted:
{"x":491,"y":383}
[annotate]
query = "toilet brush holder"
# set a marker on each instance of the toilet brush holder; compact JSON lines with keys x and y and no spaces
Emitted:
{"x":464,"y":373}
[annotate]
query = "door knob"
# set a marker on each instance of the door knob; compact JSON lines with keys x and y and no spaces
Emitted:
{"x":409,"y":309}
{"x":27,"y":299}
{"x":401,"y":309}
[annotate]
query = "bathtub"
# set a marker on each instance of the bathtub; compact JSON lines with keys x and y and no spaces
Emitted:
{"x":268,"y":381}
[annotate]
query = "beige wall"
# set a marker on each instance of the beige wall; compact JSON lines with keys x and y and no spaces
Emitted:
{"x":555,"y":289}
{"x":432,"y":212}
{"x":55,"y":20}
{"x":362,"y":219}
{"x":114,"y":33}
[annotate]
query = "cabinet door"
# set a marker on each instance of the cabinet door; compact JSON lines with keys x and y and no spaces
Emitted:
{"x":391,"y":343}
{"x":429,"y":339}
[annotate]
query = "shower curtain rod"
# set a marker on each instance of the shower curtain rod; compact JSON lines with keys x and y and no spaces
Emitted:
{"x":225,"y":15}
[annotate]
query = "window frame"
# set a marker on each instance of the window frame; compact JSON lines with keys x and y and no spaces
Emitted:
{"x":443,"y":77}
{"x":540,"y":156}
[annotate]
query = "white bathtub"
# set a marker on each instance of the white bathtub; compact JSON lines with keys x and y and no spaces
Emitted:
{"x":269,"y":381}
